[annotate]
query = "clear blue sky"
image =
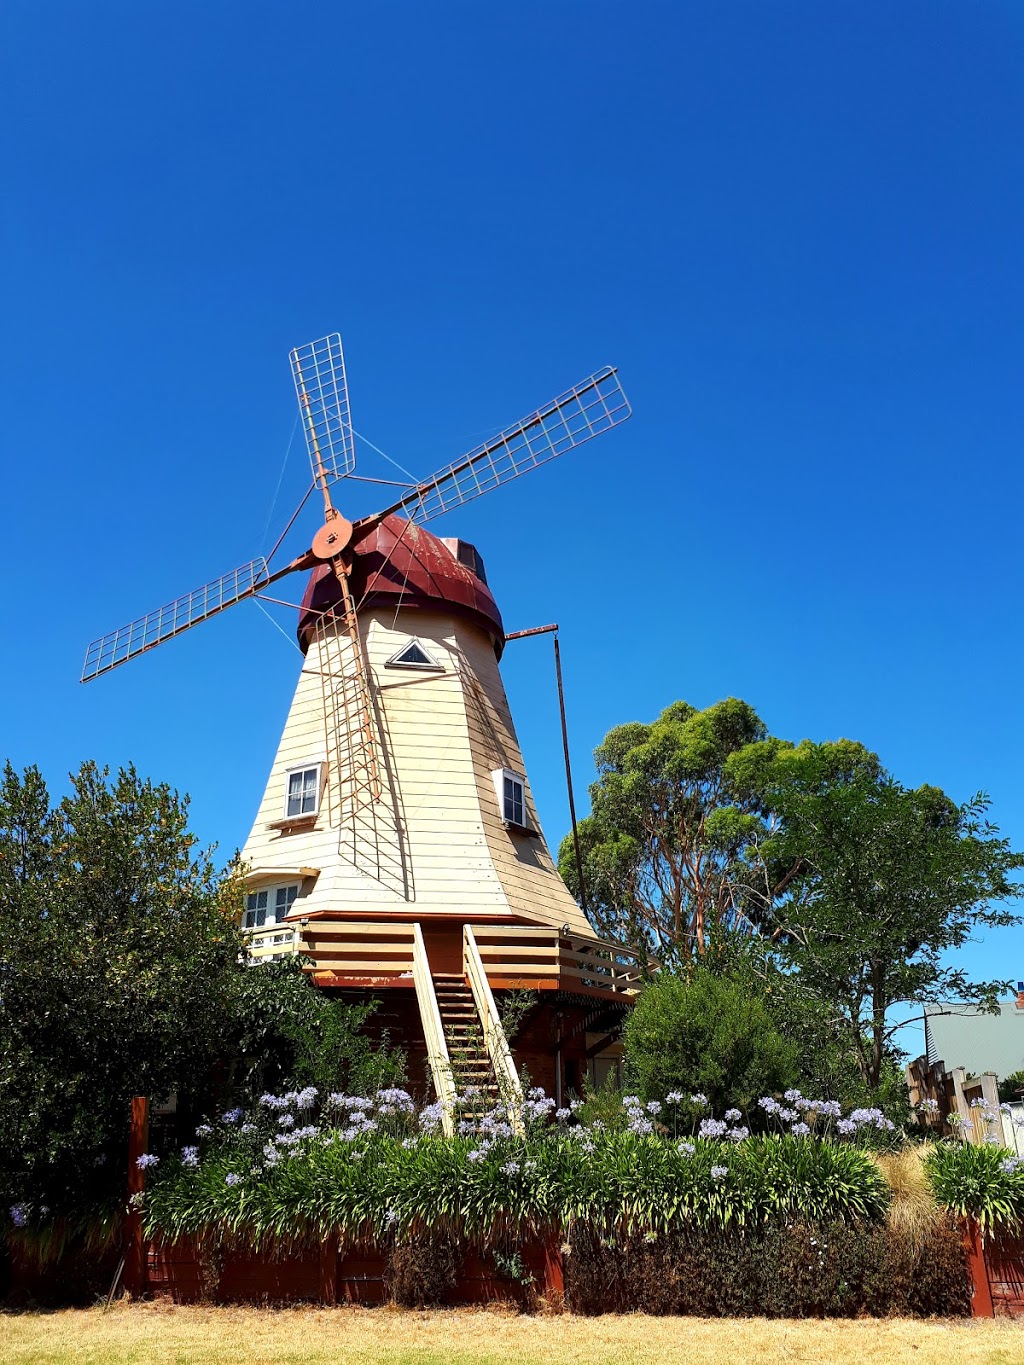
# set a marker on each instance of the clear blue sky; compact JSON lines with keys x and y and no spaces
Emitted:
{"x":796,"y":228}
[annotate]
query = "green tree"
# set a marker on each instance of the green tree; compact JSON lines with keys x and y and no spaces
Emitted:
{"x":709,"y":1032}
{"x":119,"y":953}
{"x":884,"y":882}
{"x":289,"y":1033}
{"x":670,"y":846}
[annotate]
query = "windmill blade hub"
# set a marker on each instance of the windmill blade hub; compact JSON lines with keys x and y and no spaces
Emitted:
{"x":333,"y":537}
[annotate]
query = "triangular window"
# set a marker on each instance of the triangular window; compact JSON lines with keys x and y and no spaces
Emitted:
{"x":414,"y":655}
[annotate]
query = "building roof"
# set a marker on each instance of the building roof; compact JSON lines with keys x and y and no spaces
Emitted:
{"x":395,"y":562}
{"x":958,"y":1035}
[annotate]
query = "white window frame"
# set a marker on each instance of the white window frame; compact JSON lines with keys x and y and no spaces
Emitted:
{"x":396,"y":660}
{"x":289,"y":772}
{"x":277,"y":902}
{"x":500,"y":776}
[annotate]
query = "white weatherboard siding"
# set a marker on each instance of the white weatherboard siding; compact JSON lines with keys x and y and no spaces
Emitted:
{"x":435,"y":843}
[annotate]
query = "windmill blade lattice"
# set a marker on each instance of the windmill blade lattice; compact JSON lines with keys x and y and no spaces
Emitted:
{"x":322,"y":390}
{"x":594,"y":406}
{"x":153,"y":629}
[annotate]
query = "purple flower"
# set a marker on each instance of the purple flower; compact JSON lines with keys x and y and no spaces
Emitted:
{"x":699,"y":1100}
{"x":737,"y":1134}
{"x":732,"y":1116}
{"x":712,"y":1128}
{"x":654,"y":1107}
{"x":475,"y":1156}
{"x":800,"y":1130}
{"x":286,"y":1121}
{"x":769,"y":1105}
{"x":232,"y":1116}
{"x":685,"y":1148}
{"x":146,"y":1160}
{"x":638,"y":1124}
{"x":204,"y":1130}
{"x":719,"y":1172}
{"x":232,"y":1179}
{"x":19,"y":1215}
{"x":190,"y":1157}
{"x":510,"y":1168}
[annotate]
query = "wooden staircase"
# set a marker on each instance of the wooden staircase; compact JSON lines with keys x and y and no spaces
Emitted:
{"x":467,"y":1051}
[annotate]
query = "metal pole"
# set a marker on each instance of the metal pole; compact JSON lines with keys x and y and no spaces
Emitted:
{"x":553,"y":630}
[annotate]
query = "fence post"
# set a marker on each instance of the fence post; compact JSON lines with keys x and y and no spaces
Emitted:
{"x":135,"y":1249}
{"x":981,"y":1299}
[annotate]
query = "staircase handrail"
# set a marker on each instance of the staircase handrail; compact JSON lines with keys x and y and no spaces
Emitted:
{"x":433,"y":1032}
{"x":498,"y":1050}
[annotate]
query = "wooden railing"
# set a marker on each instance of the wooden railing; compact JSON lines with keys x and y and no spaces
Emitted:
{"x":509,"y":1087}
{"x":433,"y":1032}
{"x":516,"y":955}
{"x":364,"y":953}
{"x":273,"y":940}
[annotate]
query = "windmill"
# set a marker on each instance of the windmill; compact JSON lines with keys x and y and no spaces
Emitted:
{"x":593,"y":406}
{"x":406,"y":852}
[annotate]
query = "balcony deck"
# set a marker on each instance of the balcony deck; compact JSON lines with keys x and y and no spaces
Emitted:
{"x":378,"y":955}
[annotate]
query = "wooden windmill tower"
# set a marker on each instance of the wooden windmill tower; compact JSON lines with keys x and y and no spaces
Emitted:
{"x":397,"y":843}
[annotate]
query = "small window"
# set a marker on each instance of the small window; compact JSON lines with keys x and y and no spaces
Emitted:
{"x":414,"y":655}
{"x":268,"y":906}
{"x":510,"y":789}
{"x":303,"y":794}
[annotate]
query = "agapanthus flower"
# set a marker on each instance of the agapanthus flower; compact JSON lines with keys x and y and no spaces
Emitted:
{"x":190,"y":1156}
{"x":687,"y":1148}
{"x":19,"y":1215}
{"x":641,"y":1125}
{"x":712,"y":1128}
{"x":232,"y":1116}
{"x":204,"y":1130}
{"x":674,"y":1097}
{"x":653,"y":1107}
{"x":562,"y":1114}
{"x":732,"y":1116}
{"x":286,"y":1121}
{"x":701,"y":1101}
{"x":146,"y":1160}
{"x":232,"y":1179}
{"x":510,"y":1168}
{"x":738,"y":1134}
{"x":800,"y":1130}
{"x":719,"y":1172}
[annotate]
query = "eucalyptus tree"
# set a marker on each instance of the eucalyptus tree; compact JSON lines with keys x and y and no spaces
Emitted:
{"x":670,"y":849}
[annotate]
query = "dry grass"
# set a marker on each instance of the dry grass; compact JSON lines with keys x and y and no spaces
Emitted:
{"x":913,"y":1211}
{"x":161,"y":1333}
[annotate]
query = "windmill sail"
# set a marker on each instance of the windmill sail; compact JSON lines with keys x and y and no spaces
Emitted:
{"x":153,"y":629}
{"x":592,"y":407}
{"x":322,"y":390}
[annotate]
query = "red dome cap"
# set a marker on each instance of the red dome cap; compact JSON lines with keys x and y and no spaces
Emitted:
{"x":397,"y":562}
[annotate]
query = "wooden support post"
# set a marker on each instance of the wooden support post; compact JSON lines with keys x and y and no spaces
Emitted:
{"x":554,"y":1276}
{"x":135,"y":1247}
{"x":329,"y":1257}
{"x":981,"y":1300}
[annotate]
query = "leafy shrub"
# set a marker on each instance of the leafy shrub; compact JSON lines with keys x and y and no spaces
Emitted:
{"x":423,"y":1270}
{"x":707,"y":1033}
{"x":983,"y":1182}
{"x":789,"y":1270}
